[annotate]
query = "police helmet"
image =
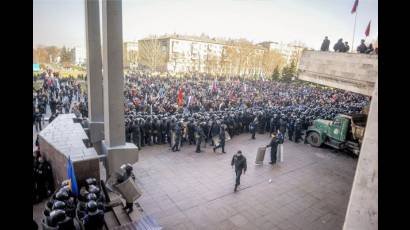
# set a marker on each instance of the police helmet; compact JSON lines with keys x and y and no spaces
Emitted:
{"x":58,"y":205}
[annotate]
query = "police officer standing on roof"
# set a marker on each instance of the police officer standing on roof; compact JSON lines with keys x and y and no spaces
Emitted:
{"x":325,"y":44}
{"x":362,"y":47}
{"x":240,"y":165}
{"x":339,"y":46}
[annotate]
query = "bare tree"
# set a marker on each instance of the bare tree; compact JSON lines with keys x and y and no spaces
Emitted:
{"x":271,"y":60}
{"x":150,"y":53}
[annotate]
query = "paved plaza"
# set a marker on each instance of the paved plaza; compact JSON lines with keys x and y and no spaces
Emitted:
{"x":188,"y":190}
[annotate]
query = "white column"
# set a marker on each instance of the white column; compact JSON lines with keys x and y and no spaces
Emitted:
{"x":114,"y":128}
{"x":363,"y":210}
{"x":114,"y":146}
{"x":94,"y":74}
{"x":94,"y":65}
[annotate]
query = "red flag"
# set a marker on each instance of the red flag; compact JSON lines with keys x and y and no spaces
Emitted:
{"x":367,"y":32}
{"x":180,"y":96}
{"x":356,"y":2}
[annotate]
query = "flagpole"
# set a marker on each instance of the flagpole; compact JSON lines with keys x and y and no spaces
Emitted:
{"x":354,"y":31}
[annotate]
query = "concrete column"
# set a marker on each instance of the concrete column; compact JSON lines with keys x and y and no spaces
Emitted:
{"x":362,"y":212}
{"x":118,"y":152}
{"x":113,"y":73}
{"x":94,"y":73}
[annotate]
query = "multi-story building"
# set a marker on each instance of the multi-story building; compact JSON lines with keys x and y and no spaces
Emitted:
{"x":79,"y":55}
{"x":130,"y":53}
{"x":287,"y":50}
{"x":176,"y":53}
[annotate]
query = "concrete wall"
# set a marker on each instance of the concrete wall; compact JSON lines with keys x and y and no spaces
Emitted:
{"x":362,"y":211}
{"x":349,"y":71}
{"x":63,"y":138}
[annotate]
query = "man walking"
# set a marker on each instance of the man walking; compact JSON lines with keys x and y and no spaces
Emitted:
{"x":221,"y":139}
{"x":240,"y":164}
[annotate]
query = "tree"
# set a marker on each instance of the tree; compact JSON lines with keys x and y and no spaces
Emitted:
{"x":289,"y":71}
{"x":66,"y":56}
{"x":150,"y":53}
{"x":40,"y":55}
{"x":275,"y":74}
{"x":271,"y":60}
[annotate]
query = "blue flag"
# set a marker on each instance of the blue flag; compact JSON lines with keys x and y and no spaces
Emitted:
{"x":71,"y":177}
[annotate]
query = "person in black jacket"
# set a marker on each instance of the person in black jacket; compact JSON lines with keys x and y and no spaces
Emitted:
{"x":178,"y":133}
{"x":240,"y":165}
{"x":339,"y":46}
{"x":362,"y":48}
{"x":252,"y":129}
{"x":221,"y":139}
{"x":273,"y":149}
{"x":199,"y":135}
{"x":325,"y":44}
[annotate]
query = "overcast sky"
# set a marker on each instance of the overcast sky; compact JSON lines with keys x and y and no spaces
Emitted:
{"x":61,"y":22}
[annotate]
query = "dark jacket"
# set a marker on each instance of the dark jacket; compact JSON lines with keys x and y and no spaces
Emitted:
{"x":240,"y":163}
{"x":273,"y":144}
{"x":325,"y":45}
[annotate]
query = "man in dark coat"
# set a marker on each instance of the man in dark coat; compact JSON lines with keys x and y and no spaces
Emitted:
{"x":325,"y":45}
{"x":339,"y":46}
{"x":273,"y":149}
{"x":240,"y":165}
{"x":221,"y":139}
{"x":178,"y":133}
{"x":252,"y":129}
{"x":199,"y":135}
{"x":362,"y":48}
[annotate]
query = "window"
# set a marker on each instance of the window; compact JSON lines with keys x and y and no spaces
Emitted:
{"x":337,"y":122}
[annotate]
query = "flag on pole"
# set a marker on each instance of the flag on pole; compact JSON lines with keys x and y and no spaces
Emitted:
{"x":71,"y":177}
{"x":180,"y":96}
{"x":367,"y":32}
{"x":356,"y":3}
{"x":214,"y":87}
{"x":189,"y":100}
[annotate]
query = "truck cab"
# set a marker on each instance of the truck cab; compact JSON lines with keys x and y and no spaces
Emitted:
{"x":343,"y":132}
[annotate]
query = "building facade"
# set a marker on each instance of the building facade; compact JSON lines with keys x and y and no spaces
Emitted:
{"x":287,"y":50}
{"x":79,"y":55}
{"x":176,"y":53}
{"x":130,"y":52}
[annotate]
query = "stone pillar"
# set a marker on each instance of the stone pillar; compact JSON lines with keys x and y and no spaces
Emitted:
{"x":94,"y":74}
{"x":362,"y":212}
{"x":118,"y":152}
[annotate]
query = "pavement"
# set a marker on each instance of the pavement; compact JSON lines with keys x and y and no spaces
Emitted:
{"x":188,"y":190}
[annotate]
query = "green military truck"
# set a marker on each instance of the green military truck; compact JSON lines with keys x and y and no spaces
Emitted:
{"x":344,"y":132}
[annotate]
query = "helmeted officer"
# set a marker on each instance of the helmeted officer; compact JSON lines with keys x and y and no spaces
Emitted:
{"x":199,"y":136}
{"x":94,"y":219}
{"x":178,"y":133}
{"x":221,"y":139}
{"x":252,"y":128}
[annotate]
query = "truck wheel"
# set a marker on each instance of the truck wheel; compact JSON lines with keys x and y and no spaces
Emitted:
{"x":313,"y":139}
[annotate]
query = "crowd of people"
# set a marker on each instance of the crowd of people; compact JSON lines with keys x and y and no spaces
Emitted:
{"x":344,"y":47}
{"x":66,"y":210}
{"x":62,"y":95}
{"x":43,"y":185}
{"x":194,"y":111}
